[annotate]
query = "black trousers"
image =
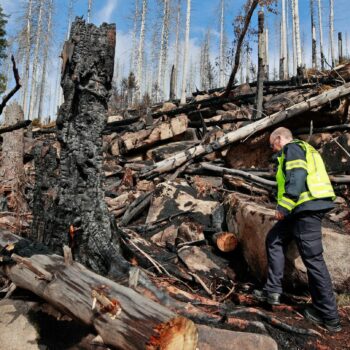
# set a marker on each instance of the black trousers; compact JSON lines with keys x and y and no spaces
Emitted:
{"x":305,"y":229}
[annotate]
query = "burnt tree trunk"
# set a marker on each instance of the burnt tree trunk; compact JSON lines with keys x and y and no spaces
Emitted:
{"x":81,"y":216}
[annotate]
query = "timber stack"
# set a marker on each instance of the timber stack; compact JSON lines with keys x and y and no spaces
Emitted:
{"x":149,"y":224}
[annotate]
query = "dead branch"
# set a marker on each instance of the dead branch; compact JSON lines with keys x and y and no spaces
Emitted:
{"x":274,"y":321}
{"x":245,"y":174}
{"x":7,"y":97}
{"x":136,"y":207}
{"x":16,"y":126}
{"x":239,"y":46}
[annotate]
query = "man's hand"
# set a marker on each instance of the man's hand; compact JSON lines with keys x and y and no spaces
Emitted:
{"x":278,"y":215}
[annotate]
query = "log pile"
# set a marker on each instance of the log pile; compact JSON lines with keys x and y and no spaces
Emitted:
{"x":170,"y":204}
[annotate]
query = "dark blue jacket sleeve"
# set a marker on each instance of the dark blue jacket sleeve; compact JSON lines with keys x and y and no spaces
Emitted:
{"x":295,"y":182}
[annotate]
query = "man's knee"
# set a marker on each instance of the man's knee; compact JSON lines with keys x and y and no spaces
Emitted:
{"x":277,"y":235}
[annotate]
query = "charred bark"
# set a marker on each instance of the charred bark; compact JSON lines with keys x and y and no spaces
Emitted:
{"x":81,"y":218}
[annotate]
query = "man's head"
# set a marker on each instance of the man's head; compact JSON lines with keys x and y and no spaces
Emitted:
{"x":279,"y":138}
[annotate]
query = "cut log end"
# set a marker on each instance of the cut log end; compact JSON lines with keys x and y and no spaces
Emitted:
{"x":179,"y":333}
{"x":225,"y":241}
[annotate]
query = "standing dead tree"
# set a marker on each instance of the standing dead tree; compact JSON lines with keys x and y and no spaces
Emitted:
{"x":241,"y":31}
{"x":80,"y":216}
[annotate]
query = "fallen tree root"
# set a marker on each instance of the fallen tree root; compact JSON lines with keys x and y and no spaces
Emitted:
{"x":274,"y":321}
{"x":244,"y":324}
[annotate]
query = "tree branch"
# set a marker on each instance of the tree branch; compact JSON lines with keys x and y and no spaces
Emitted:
{"x":15,"y":89}
{"x":239,"y":45}
{"x":19,"y":125}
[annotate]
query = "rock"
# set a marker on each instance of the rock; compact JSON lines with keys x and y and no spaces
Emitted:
{"x":16,"y":329}
{"x":252,"y":222}
{"x":38,"y":326}
{"x":222,"y":339}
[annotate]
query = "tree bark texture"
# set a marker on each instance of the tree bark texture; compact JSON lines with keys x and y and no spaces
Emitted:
{"x":81,"y":216}
{"x":12,"y":171}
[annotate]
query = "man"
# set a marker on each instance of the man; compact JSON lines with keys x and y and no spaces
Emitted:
{"x":304,"y":195}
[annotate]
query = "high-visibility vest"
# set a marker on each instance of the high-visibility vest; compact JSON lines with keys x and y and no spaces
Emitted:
{"x":317,"y":180}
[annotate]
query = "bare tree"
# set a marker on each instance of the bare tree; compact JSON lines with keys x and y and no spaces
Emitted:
{"x":313,"y":34}
{"x":331,"y":30}
{"x":185,"y":60}
{"x":141,"y":47}
{"x":206,"y":67}
{"x":222,"y":48}
{"x":321,"y":33}
{"x":249,"y":8}
{"x":247,"y":67}
{"x":293,"y":40}
{"x":46,"y":53}
{"x":296,"y":32}
{"x":33,"y":84}
{"x":29,"y":18}
{"x":284,"y":45}
{"x":177,"y":47}
{"x":89,"y":10}
{"x":163,"y":53}
{"x":134,"y":50}
{"x":261,"y":68}
{"x":267,"y":56}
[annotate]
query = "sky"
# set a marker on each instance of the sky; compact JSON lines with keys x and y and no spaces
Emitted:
{"x":204,"y":16}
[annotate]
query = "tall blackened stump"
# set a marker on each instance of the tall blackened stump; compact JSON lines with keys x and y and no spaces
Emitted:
{"x":82,"y":217}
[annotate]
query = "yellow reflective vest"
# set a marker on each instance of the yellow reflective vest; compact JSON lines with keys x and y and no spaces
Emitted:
{"x":317,"y":180}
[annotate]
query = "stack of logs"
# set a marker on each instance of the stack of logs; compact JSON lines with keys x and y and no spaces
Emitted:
{"x":178,"y":199}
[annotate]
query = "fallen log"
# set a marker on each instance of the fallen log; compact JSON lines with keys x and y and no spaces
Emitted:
{"x":237,"y":184}
{"x":246,"y":131}
{"x":250,"y":176}
{"x":122,"y":317}
{"x":135,"y":140}
{"x":330,"y":128}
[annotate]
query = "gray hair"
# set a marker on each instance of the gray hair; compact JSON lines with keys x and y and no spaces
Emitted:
{"x":281,"y":131}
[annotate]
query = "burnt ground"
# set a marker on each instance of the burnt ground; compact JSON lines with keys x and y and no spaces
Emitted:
{"x":59,"y":332}
{"x":290,"y":312}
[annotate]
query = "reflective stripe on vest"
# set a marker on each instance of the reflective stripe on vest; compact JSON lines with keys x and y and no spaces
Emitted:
{"x":318,"y":183}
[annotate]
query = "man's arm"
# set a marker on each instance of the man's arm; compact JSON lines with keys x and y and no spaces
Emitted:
{"x":295,"y":169}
